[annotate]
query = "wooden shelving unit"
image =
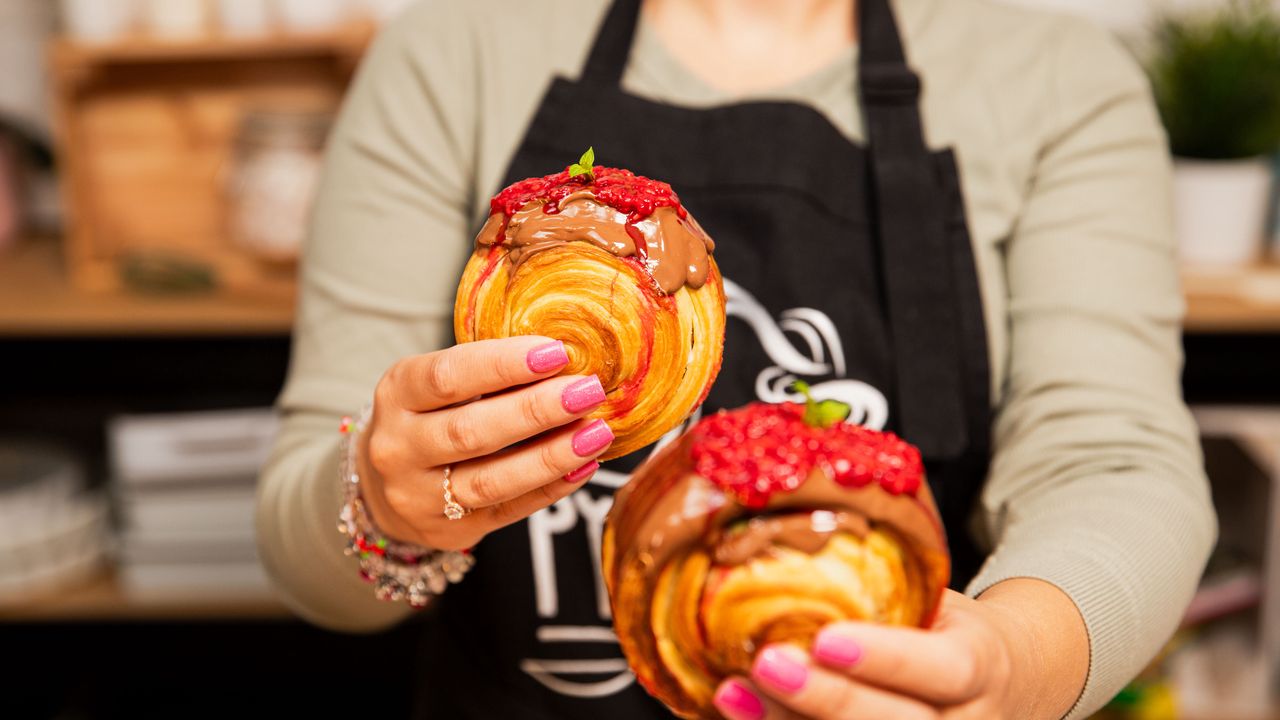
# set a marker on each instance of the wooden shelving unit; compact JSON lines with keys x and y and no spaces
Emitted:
{"x":148,"y":130}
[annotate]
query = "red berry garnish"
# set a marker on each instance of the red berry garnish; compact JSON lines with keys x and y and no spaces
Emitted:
{"x":624,"y":191}
{"x":760,"y":449}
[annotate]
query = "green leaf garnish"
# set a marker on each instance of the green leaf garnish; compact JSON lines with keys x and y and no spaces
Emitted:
{"x":585,"y":165}
{"x":830,"y":412}
{"x":821,"y":413}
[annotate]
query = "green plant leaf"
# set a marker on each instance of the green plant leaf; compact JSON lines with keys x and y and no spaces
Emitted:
{"x":830,"y":412}
{"x":585,"y":165}
{"x":1216,"y":80}
{"x":821,"y":413}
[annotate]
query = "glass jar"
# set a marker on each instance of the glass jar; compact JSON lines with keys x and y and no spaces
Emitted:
{"x":273,"y":180}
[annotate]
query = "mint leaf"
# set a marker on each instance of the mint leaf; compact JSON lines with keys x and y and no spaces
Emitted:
{"x":830,"y":412}
{"x":585,"y":165}
{"x":821,"y":413}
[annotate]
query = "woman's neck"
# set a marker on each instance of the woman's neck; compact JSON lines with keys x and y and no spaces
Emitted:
{"x":740,"y":46}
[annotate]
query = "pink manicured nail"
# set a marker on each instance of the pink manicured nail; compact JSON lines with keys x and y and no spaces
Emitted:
{"x":582,"y":473}
{"x":774,"y":668}
{"x":592,"y":439}
{"x":582,"y":395}
{"x":546,"y":358}
{"x":737,"y":702}
{"x":836,"y":650}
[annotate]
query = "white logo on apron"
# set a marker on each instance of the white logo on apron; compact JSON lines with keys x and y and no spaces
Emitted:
{"x":819,"y":354}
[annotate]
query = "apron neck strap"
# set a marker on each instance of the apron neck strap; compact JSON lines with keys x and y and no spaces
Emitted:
{"x":883,"y":74}
{"x":915,"y":250}
{"x":612,"y":46}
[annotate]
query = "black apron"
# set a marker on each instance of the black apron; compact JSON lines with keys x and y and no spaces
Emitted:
{"x":848,"y":266}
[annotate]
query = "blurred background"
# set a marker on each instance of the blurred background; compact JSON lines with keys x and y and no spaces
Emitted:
{"x":157,"y":161}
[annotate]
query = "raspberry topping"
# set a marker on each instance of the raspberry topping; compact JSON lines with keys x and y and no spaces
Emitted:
{"x":758,"y":450}
{"x":624,"y":191}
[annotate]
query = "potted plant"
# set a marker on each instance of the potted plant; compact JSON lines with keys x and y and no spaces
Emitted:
{"x":1216,"y":80}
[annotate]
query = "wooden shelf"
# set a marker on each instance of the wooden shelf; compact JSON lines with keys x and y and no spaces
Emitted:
{"x":1233,"y":299}
{"x":348,"y":40}
{"x":102,"y":598}
{"x":38,"y":299}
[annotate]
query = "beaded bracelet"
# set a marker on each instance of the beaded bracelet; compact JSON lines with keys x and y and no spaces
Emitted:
{"x":398,"y":571}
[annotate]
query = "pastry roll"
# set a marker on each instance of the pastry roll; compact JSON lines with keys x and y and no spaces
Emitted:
{"x":613,"y":265}
{"x":759,"y":526}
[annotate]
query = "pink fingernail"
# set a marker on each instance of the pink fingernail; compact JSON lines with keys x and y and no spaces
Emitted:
{"x":737,"y":702}
{"x":582,"y":473}
{"x":545,"y":358}
{"x":837,"y":650}
{"x":774,"y":668}
{"x":582,"y":395}
{"x":591,"y":439}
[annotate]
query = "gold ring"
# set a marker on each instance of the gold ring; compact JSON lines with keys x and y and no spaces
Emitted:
{"x":452,"y":509}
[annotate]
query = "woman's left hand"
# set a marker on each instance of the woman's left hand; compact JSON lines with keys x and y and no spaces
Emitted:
{"x":984,"y":659}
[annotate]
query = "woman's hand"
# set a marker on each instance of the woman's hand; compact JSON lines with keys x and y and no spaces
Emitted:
{"x":1020,"y":652}
{"x":472,"y":407}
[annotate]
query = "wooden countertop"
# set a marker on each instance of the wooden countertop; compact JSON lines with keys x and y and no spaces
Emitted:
{"x":101,"y":597}
{"x":38,"y":299}
{"x":1244,"y":300}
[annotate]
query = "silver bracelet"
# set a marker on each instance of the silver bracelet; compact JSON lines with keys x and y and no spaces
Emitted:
{"x":398,"y":571}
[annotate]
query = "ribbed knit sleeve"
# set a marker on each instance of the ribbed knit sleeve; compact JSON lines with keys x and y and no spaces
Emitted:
{"x":1097,"y":483}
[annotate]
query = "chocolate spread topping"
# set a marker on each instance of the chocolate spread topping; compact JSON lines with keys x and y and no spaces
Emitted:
{"x":690,"y":511}
{"x":672,"y":250}
{"x":807,"y":532}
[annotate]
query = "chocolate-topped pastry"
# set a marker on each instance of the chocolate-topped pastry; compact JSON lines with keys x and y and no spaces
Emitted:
{"x":762,"y":525}
{"x":613,"y":265}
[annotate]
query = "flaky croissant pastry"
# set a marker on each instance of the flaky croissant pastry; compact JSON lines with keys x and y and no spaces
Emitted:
{"x":760,"y":526}
{"x":611,"y":264}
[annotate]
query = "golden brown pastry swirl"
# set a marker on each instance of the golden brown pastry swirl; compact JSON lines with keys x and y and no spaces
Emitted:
{"x":738,"y":536}
{"x":620,"y":272}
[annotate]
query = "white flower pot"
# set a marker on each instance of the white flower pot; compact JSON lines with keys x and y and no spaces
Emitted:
{"x":1220,"y":209}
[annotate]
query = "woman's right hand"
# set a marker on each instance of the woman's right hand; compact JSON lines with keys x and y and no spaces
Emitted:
{"x":513,"y":435}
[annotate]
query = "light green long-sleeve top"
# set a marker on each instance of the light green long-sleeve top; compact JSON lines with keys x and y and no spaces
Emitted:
{"x":1096,"y":484}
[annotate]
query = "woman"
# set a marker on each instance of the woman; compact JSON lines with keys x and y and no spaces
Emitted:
{"x":1025,"y":336}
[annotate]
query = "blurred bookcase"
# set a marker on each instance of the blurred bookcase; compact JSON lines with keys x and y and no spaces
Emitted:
{"x":146,"y":130}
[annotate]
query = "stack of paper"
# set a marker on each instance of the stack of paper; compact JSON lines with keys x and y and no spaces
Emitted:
{"x":185,"y":484}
